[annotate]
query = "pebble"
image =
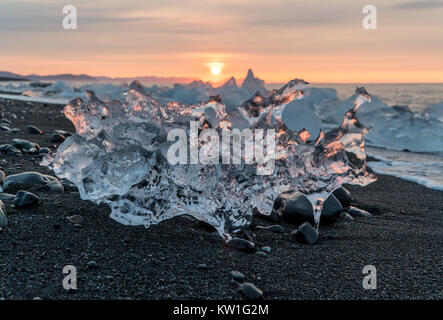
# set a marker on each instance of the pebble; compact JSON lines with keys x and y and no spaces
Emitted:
{"x":275,"y":228}
{"x":261,"y":254}
{"x":271,"y":217}
{"x":343,"y":195}
{"x":7,"y":196}
{"x":57,"y":137}
{"x":2,"y":176}
{"x":266,"y":249}
{"x":305,"y":234}
{"x":202,"y":266}
{"x":25,"y":199}
{"x":9,"y":149}
{"x":250,"y":291}
{"x":92,"y":264}
{"x":297,"y":208}
{"x":43,"y":151}
{"x":25,"y":145}
{"x":344,"y":216}
{"x":34,"y":130}
{"x":241,"y":245}
{"x":237,"y":275}
{"x":33,"y":178}
{"x":76,"y":219}
{"x":3,"y":219}
{"x":356,"y":212}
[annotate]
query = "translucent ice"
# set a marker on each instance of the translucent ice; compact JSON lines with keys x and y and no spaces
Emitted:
{"x":118,"y":156}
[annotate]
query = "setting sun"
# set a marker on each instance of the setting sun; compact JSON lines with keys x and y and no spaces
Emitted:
{"x":215,"y":68}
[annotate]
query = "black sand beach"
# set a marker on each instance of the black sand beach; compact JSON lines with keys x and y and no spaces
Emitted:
{"x":403,"y":240}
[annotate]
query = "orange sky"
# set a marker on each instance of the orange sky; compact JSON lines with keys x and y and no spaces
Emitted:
{"x":316,"y":40}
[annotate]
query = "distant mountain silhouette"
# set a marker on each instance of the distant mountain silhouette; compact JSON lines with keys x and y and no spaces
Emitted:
{"x":6,"y":75}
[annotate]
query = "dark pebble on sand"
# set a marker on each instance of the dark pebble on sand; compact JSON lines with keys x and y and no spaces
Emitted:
{"x":345,"y":217}
{"x":343,"y":195}
{"x":76,"y":219}
{"x":25,"y":199}
{"x":43,"y":151}
{"x":237,"y":275}
{"x":305,"y":234}
{"x":250,"y":291}
{"x":2,"y":176}
{"x":34,"y":130}
{"x":275,"y":228}
{"x":241,"y":245}
{"x":92,"y":265}
{"x":271,"y":217}
{"x":202,"y":266}
{"x":57,"y":138}
{"x":356,"y":212}
{"x":3,"y":219}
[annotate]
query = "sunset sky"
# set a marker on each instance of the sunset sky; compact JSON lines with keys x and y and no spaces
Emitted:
{"x":318,"y":40}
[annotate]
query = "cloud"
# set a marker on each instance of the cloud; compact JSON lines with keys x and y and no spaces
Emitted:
{"x":419,"y":5}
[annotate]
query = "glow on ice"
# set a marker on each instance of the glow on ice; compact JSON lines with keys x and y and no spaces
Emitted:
{"x":119,"y":156}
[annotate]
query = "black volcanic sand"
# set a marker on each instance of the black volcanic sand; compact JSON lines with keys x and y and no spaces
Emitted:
{"x":403,"y":241}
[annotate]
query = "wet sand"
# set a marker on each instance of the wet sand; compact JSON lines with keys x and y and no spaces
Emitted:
{"x":403,"y":240}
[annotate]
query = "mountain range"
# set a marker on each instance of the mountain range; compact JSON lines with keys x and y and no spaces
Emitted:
{"x":10,"y":76}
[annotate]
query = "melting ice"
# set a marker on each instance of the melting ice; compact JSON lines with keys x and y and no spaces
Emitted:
{"x":118,"y":156}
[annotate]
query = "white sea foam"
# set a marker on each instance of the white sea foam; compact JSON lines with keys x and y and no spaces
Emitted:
{"x":422,"y":168}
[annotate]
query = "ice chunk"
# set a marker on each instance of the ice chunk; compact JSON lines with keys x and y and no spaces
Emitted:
{"x":118,"y":156}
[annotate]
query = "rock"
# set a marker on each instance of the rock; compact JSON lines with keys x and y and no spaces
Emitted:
{"x":202,"y":266}
{"x":33,"y":178}
{"x":34,"y":130}
{"x":356,"y":212}
{"x":237,"y":275}
{"x":76,"y":219}
{"x":305,"y":234}
{"x":272,"y":217}
{"x":57,"y":137}
{"x":343,"y":195}
{"x":25,"y":145}
{"x":3,"y":219}
{"x":43,"y":151}
{"x":4,"y":128}
{"x":250,"y":291}
{"x":266,"y":249}
{"x":344,"y":217}
{"x":275,"y":228}
{"x":261,"y":254}
{"x":296,"y":207}
{"x":7,"y":196}
{"x":331,"y":210}
{"x":241,"y":245}
{"x":25,"y":199}
{"x":92,"y":265}
{"x":63,"y":133}
{"x":9,"y":149}
{"x":2,"y":176}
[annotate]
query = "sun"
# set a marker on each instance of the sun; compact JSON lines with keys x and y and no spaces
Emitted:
{"x":215,"y":68}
